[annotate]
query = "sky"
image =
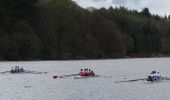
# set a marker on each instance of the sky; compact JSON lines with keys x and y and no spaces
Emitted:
{"x":160,"y":7}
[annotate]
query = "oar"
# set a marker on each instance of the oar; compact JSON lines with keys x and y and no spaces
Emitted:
{"x":133,"y":80}
{"x":65,"y":76}
{"x":162,"y":78}
{"x":70,"y":75}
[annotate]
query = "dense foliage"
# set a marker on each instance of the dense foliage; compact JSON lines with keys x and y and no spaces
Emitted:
{"x":60,"y":29}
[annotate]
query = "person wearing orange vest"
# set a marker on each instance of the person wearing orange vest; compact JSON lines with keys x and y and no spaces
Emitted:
{"x":82,"y":73}
{"x":86,"y":72}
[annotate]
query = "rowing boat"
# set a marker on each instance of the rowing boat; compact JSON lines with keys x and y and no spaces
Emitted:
{"x":145,"y":79}
{"x":85,"y":77}
{"x":157,"y":80}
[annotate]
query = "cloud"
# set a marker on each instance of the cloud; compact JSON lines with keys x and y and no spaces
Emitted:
{"x":119,"y":2}
{"x":98,"y":0}
{"x":94,"y":3}
{"x":160,"y":7}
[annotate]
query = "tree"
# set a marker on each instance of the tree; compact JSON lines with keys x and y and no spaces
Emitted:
{"x":106,"y":33}
{"x":145,"y":12}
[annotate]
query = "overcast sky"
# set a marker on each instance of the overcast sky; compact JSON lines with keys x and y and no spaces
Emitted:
{"x":160,"y":7}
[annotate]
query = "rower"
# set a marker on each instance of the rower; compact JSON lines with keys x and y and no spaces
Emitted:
{"x":16,"y":69}
{"x":92,"y":73}
{"x":86,"y":72}
{"x":158,"y":76}
{"x":89,"y":72}
{"x":21,"y":69}
{"x":12,"y":70}
{"x":151,"y":77}
{"x":81,"y":72}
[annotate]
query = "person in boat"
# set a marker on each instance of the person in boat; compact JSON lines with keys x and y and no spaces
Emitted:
{"x":12,"y":70}
{"x":158,"y":76}
{"x":154,"y":76}
{"x":21,"y":69}
{"x":92,"y":73}
{"x":86,"y":73}
{"x":16,"y":69}
{"x":151,"y":77}
{"x":81,"y":72}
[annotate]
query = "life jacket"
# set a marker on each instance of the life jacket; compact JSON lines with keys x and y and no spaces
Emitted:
{"x":88,"y":73}
{"x":82,"y":73}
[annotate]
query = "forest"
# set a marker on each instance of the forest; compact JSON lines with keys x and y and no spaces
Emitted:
{"x":62,"y":30}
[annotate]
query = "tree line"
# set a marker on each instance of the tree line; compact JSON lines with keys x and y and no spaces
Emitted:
{"x":60,"y":29}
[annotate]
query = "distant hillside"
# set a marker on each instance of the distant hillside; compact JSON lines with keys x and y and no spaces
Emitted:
{"x":60,"y":29}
